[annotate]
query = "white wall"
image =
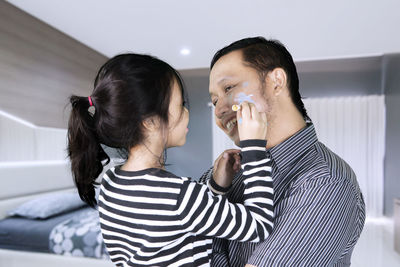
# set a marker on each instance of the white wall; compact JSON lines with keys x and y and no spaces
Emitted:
{"x":23,"y":141}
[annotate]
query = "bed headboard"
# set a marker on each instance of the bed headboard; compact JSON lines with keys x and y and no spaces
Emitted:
{"x":21,"y":181}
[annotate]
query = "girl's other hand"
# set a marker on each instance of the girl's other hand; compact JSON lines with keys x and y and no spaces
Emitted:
{"x":226,"y":166}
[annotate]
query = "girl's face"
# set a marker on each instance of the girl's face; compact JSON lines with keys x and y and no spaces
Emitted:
{"x":178,"y":119}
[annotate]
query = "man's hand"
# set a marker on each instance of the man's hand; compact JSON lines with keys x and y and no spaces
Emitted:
{"x":226,"y":166}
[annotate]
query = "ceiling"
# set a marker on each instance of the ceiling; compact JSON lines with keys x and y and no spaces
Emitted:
{"x":311,"y":29}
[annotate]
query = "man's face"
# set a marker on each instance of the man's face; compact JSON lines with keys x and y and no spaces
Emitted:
{"x":232,"y":82}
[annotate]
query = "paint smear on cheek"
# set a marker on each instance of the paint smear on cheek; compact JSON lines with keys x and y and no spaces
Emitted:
{"x":241,"y":97}
{"x":245,"y":84}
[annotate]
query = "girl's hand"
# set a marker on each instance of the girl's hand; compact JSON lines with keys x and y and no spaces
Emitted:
{"x":226,"y":166}
{"x":251,"y":123}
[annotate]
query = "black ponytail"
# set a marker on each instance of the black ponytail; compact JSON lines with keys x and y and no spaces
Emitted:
{"x":84,"y":149}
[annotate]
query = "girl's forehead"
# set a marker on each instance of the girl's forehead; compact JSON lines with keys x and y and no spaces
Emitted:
{"x":176,"y":92}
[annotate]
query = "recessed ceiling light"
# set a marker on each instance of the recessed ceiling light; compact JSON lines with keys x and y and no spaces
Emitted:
{"x":185,"y":51}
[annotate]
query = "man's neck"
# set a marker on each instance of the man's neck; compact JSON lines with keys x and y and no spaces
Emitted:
{"x":283,"y":127}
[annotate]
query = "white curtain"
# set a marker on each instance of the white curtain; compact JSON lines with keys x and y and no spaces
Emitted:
{"x":353,"y":128}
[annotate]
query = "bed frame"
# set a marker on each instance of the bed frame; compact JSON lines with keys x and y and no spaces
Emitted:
{"x":27,"y":180}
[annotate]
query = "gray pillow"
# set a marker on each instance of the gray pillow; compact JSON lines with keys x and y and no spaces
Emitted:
{"x":48,"y":205}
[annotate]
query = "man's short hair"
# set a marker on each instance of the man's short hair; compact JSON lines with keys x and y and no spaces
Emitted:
{"x":264,"y":56}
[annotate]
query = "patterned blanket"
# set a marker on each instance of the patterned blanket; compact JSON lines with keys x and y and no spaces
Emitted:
{"x":79,"y":236}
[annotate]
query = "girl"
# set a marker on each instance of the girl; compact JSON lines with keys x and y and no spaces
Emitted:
{"x":148,"y":216}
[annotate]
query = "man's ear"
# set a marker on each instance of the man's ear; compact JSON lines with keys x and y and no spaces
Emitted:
{"x":152,"y":123}
{"x":278,"y":78}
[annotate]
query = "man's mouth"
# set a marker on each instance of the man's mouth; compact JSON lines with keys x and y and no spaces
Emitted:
{"x":230,"y":124}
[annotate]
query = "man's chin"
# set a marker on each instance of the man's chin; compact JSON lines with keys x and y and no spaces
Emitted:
{"x":235,"y":138}
{"x":233,"y":135}
{"x":237,"y":142}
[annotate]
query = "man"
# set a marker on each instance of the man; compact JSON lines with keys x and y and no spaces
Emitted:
{"x":319,"y":209}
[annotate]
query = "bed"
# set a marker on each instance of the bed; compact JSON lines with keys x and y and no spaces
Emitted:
{"x":63,"y":232}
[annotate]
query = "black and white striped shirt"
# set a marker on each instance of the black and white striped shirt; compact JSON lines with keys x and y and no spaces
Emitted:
{"x":154,"y":218}
{"x":319,"y":209}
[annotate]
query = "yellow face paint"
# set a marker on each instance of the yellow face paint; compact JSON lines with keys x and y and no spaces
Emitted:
{"x":235,"y":107}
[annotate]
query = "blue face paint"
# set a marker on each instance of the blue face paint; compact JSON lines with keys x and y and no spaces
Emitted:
{"x":241,"y":97}
{"x":245,"y":84}
{"x":240,"y":121}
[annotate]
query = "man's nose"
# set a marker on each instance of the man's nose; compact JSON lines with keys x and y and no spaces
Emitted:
{"x":221,"y":108}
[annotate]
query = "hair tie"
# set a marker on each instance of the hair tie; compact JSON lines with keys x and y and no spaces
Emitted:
{"x":90,"y":101}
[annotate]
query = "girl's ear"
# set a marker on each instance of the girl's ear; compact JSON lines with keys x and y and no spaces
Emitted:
{"x":152,"y":123}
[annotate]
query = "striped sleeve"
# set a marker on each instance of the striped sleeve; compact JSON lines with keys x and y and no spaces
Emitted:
{"x":204,"y":213}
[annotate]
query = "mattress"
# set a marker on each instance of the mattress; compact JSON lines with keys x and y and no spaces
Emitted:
{"x":74,"y":233}
{"x":31,"y":234}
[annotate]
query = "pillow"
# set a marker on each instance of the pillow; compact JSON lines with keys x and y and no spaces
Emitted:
{"x":48,"y":205}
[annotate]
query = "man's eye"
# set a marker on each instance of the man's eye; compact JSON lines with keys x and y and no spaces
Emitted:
{"x":228,"y":88}
{"x":214,"y":102}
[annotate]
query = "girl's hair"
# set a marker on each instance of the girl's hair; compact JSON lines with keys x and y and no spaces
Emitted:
{"x":128,"y":89}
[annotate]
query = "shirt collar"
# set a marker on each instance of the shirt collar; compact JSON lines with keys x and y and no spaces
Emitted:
{"x":288,"y":151}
